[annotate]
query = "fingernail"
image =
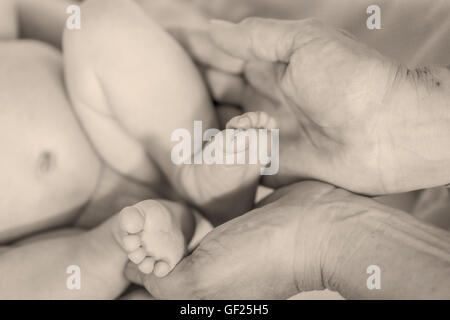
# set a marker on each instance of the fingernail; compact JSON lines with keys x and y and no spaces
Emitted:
{"x":222,"y":23}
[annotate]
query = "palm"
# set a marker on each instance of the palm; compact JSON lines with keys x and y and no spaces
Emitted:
{"x":327,"y":120}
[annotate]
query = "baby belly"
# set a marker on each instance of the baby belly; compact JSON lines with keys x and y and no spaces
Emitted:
{"x":48,"y":169}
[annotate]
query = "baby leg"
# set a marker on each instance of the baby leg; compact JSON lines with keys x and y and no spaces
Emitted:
{"x":132,"y":85}
{"x":155,"y":233}
{"x":227,"y":189}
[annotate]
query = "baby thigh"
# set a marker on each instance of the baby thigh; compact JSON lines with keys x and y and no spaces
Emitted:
{"x":124,"y":67}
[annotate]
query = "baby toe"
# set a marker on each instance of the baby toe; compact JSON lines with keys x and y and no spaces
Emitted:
{"x":272,"y":123}
{"x":131,"y":242}
{"x":137,"y":256}
{"x":162,"y":269}
{"x":262,"y":120}
{"x":147,"y":265}
{"x":131,"y":220}
{"x":244,"y":122}
{"x":232,"y":123}
{"x":239,"y":122}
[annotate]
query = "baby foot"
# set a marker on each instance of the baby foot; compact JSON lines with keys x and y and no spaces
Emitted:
{"x":153,"y":240}
{"x":213,"y":186}
{"x":255,"y":120}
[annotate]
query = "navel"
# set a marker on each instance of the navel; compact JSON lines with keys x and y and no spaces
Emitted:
{"x":46,"y":162}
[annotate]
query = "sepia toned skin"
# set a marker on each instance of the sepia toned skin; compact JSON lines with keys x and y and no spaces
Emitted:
{"x":136,"y":109}
{"x":379,"y":121}
{"x":322,"y":236}
{"x":36,"y":285}
{"x":140,"y":103}
{"x":43,"y":188}
{"x":54,"y":186}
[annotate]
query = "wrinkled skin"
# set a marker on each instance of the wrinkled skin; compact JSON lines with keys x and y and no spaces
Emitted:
{"x":272,"y":252}
{"x":328,"y":93}
{"x":347,"y":115}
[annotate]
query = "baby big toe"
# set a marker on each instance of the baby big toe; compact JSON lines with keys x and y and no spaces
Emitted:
{"x":131,"y":220}
{"x":147,"y":265}
{"x":162,"y":269}
{"x":239,"y":122}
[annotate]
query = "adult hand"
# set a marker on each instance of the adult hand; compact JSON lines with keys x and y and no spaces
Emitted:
{"x":311,"y":236}
{"x":274,"y":251}
{"x":347,"y":114}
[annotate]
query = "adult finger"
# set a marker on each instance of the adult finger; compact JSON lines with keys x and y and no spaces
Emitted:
{"x":172,"y":286}
{"x":226,"y":9}
{"x":178,"y":284}
{"x":264,"y":39}
{"x":259,"y":86}
{"x":202,"y":50}
{"x":264,"y":77}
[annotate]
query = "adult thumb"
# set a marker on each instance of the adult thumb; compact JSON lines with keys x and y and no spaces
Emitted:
{"x":178,"y":284}
{"x":258,"y":38}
